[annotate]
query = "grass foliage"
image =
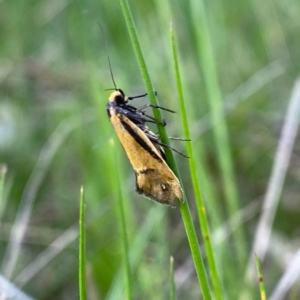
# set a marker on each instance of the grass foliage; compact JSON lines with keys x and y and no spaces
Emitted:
{"x":235,"y":67}
{"x":82,"y":250}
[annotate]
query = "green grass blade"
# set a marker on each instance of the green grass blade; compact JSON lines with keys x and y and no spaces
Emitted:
{"x":144,"y":72}
{"x":3,"y":171}
{"x":260,"y":279}
{"x":220,"y":130}
{"x":82,"y":273}
{"x":194,"y":245}
{"x":184,"y":208}
{"x":172,"y":281}
{"x":123,"y":226}
{"x":198,"y":195}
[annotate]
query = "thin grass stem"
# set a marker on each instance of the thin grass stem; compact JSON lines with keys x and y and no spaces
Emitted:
{"x":193,"y":170}
{"x":260,"y":279}
{"x":82,"y":271}
{"x":184,"y":208}
{"x":221,"y":135}
{"x":123,"y":227}
{"x":172,"y":281}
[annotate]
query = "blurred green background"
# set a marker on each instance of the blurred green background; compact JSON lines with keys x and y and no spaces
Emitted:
{"x":55,"y":136}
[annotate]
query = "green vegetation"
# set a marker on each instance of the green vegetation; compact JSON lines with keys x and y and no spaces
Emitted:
{"x":260,"y":280}
{"x":236,"y":64}
{"x":82,"y":241}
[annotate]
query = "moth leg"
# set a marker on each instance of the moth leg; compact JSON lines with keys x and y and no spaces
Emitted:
{"x":175,"y":138}
{"x":179,"y":139}
{"x":138,"y":96}
{"x":155,"y":140}
{"x":163,"y":122}
{"x":171,"y":148}
{"x":154,"y":106}
{"x":140,"y":110}
{"x":136,"y":116}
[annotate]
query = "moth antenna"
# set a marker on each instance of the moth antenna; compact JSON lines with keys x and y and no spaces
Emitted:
{"x":111,"y":73}
{"x":106,"y":46}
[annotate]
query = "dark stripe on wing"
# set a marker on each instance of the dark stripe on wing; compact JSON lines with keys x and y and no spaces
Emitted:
{"x":139,"y":140}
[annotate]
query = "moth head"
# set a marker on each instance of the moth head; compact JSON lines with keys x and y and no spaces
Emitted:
{"x":118,"y":97}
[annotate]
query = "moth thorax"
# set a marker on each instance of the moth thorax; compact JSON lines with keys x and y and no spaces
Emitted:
{"x":118,"y":97}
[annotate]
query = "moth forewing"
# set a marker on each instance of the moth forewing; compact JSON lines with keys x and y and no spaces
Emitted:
{"x":154,"y":178}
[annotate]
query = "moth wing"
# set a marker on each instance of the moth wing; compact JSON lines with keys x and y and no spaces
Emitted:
{"x":154,"y":178}
{"x":161,"y":187}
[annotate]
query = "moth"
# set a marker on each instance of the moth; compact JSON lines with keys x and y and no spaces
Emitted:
{"x":154,"y":178}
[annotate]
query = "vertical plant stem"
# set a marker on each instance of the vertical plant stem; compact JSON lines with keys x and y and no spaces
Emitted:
{"x":184,"y":208}
{"x":172,"y":281}
{"x":198,"y":196}
{"x":199,"y":15}
{"x":82,"y":273}
{"x":194,"y":245}
{"x":123,"y":226}
{"x":3,"y":170}
{"x":260,"y":279}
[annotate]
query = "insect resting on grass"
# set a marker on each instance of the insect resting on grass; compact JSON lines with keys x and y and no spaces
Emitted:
{"x":154,"y":178}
